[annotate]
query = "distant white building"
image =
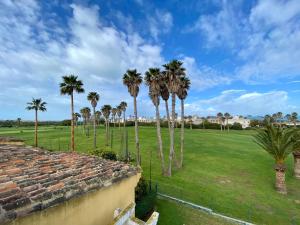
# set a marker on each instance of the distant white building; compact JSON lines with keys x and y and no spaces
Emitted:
{"x":238,"y":119}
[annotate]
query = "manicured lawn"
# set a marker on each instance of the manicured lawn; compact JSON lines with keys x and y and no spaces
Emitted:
{"x":224,"y":171}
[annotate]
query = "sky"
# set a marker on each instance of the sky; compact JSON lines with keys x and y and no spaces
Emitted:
{"x":243,"y":57}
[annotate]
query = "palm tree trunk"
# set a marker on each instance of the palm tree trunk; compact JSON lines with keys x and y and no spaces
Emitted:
{"x":119,"y":123}
{"x":171,"y":155}
{"x":36,"y":129}
{"x":221,"y":124}
{"x":168,"y":114}
{"x":182,"y":134}
{"x":94,"y":111}
{"x":106,"y":132}
{"x":137,"y":144}
{"x":297,"y":164}
{"x":161,"y":153}
{"x":227,"y":126}
{"x":72,"y":124}
{"x":280,"y":179}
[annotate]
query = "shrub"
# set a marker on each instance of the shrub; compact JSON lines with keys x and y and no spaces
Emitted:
{"x":141,"y":189}
{"x":236,"y":126}
{"x":109,"y":155}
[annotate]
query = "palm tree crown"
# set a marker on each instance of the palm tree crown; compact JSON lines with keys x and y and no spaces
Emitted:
{"x":37,"y":104}
{"x":184,"y":86}
{"x":123,"y":106}
{"x":106,"y":111}
{"x":71,"y":84}
{"x":277,"y":141}
{"x":93,"y":97}
{"x":132,"y":79}
{"x":173,"y":72}
{"x":153,"y":79}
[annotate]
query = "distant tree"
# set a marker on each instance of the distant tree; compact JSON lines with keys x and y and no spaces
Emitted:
{"x":113,"y":114}
{"x":70,"y":85}
{"x":119,"y":114}
{"x":19,"y":121}
{"x":123,"y":106}
{"x":36,"y":105}
{"x":294,"y":118}
{"x":93,"y":97}
{"x":85,"y":113}
{"x":132,"y":79}
{"x":279,"y":117}
{"x":98,"y":117}
{"x":106,"y":110}
{"x":190,"y":120}
{"x":220,"y":116}
{"x":227,"y":116}
{"x":278,"y":142}
{"x":76,"y":118}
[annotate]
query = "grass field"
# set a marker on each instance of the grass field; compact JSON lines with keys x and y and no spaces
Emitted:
{"x":224,"y":171}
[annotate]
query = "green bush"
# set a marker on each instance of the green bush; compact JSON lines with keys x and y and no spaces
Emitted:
{"x":145,"y":199}
{"x":109,"y":155}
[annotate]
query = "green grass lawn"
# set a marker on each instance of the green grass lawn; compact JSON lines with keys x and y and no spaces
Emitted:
{"x":224,"y":171}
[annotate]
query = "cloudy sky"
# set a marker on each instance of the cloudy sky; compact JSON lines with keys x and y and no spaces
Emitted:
{"x":241,"y":56}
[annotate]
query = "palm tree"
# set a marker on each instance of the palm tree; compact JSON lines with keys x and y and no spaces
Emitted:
{"x":219,"y":116}
{"x":98,"y":117}
{"x":106,"y":109}
{"x":278,"y":143}
{"x":119,"y":114}
{"x":153,"y":79}
{"x":113,"y":114}
{"x":182,"y":94}
{"x":93,"y":97}
{"x":164,"y":92}
{"x":173,"y":72}
{"x":294,"y":118}
{"x":36,"y":105}
{"x":76,"y":118}
{"x":296,"y":154}
{"x":132,"y":79}
{"x":123,"y":106}
{"x":288,"y":117}
{"x":227,"y":116}
{"x":279,"y":117}
{"x":70,"y":85}
{"x":85,"y":113}
{"x":19,"y":121}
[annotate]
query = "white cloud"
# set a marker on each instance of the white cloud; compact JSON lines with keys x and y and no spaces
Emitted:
{"x":160,"y":23}
{"x":98,"y":54}
{"x":241,"y":102}
{"x":266,"y":41}
{"x":204,"y":77}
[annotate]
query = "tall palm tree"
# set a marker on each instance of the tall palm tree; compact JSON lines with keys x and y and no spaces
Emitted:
{"x":164,"y":92}
{"x":153,"y":79}
{"x":93,"y":97}
{"x":219,"y":116}
{"x":70,"y":85}
{"x":19,"y":121}
{"x":119,"y":114}
{"x":173,"y":72}
{"x":36,"y":105}
{"x":227,"y":116}
{"x":113,"y":114}
{"x":106,"y":110}
{"x":294,"y":118}
{"x":278,"y":143}
{"x":76,"y":118}
{"x":132,"y":79}
{"x":296,"y":154}
{"x":182,"y":94}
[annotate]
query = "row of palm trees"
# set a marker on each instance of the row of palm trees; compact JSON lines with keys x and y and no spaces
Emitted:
{"x":222,"y":119}
{"x":278,"y":118}
{"x":170,"y":82}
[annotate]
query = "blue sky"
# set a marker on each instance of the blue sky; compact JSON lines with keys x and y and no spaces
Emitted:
{"x":241,"y":56}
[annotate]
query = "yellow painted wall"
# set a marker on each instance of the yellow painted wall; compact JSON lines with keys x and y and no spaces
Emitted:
{"x":95,"y":208}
